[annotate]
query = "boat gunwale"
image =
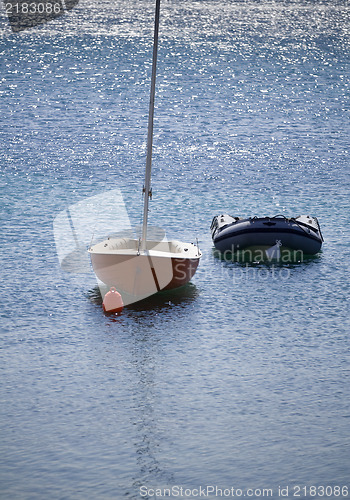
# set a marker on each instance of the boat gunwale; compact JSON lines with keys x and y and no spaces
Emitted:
{"x":180,"y":256}
{"x":190,"y":254}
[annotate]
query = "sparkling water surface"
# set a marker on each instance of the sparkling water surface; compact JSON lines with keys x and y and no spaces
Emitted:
{"x":241,"y":378}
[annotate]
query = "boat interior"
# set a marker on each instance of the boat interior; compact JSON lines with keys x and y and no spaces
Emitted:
{"x":165,"y":246}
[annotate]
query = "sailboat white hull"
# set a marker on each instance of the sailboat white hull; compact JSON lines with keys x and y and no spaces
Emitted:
{"x":163,"y":265}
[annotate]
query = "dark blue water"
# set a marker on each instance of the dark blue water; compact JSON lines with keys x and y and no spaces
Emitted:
{"x":240,"y":379}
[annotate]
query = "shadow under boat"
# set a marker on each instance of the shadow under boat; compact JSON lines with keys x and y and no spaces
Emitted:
{"x":181,"y":296}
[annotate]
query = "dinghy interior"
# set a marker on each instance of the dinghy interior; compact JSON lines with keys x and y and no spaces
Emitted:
{"x":266,"y":238}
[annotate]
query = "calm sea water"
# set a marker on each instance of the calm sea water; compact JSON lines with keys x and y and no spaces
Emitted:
{"x":240,"y":379}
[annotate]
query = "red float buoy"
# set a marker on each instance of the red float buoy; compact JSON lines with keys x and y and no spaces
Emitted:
{"x":113,"y":302}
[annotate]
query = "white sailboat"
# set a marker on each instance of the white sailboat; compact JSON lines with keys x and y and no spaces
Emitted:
{"x":138,"y":268}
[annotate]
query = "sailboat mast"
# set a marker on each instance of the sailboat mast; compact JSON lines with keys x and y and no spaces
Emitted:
{"x":147,"y":186}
